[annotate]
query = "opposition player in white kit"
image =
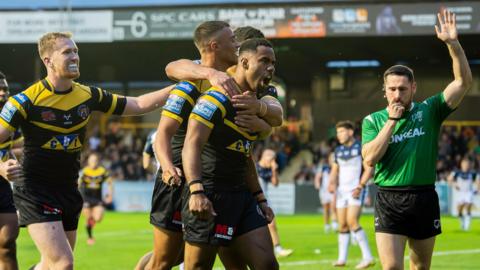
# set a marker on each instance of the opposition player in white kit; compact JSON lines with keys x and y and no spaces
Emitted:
{"x":348,"y":182}
{"x":322,"y":181}
{"x":465,"y":183}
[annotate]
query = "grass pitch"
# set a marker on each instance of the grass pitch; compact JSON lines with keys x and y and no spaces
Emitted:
{"x":123,"y":238}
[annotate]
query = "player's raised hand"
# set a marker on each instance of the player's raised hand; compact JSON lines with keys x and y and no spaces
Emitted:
{"x":11,"y":170}
{"x":447,"y":31}
{"x":225,"y":82}
{"x":395,"y":110}
{"x":251,"y":123}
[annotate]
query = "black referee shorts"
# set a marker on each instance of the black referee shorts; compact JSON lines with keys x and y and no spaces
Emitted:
{"x":410,"y":211}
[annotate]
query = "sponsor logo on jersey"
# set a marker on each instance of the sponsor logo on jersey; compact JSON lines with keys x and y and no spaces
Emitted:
{"x":8,"y":111}
{"x":185,"y":86}
{"x":83,"y":111}
{"x":48,"y":116}
{"x":68,"y":143}
{"x":241,"y":146}
{"x":205,"y":109}
{"x":20,"y":98}
{"x":418,"y":116}
{"x":218,"y":96}
{"x":411,"y":133}
{"x":174,"y":104}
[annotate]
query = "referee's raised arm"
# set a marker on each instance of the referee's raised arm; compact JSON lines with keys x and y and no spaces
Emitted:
{"x":447,"y":32}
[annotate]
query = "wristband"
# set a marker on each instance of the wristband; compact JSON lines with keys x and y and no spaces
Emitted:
{"x":257,"y":193}
{"x":200,"y":191}
{"x":394,"y":118}
{"x":193,"y":182}
{"x":262,"y":201}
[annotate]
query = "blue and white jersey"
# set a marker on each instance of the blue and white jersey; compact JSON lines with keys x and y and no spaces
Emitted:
{"x":325,"y":170}
{"x":465,"y":180}
{"x":349,"y":161}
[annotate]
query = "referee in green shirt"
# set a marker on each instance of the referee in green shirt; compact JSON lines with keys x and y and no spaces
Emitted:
{"x":401,"y":142}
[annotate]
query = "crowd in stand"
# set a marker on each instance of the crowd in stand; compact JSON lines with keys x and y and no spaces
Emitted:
{"x":122,"y":149}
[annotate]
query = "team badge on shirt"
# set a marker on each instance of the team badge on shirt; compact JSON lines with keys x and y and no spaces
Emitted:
{"x":83,"y":111}
{"x":205,"y":109}
{"x":174,"y":104}
{"x":64,"y":142}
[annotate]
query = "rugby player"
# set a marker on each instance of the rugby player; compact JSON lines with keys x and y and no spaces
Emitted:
{"x":401,"y":141}
{"x":148,"y":155}
{"x":8,"y":214}
{"x":322,"y":182}
{"x":217,"y":46}
{"x":220,"y":208}
{"x":348,"y":182}
{"x":53,"y":114}
{"x":466,"y":183}
{"x":90,"y":183}
{"x":267,"y":170}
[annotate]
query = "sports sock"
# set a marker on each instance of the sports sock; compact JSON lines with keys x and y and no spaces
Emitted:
{"x":467,"y":220}
{"x":363,"y":243}
{"x":90,"y":224}
{"x":343,"y":241}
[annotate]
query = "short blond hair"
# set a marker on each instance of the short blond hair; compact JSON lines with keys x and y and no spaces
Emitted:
{"x":47,"y":41}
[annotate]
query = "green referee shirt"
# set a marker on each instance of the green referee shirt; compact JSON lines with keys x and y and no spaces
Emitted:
{"x":411,"y":155}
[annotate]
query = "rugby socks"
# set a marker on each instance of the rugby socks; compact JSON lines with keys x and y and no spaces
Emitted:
{"x":326,"y":229}
{"x":343,"y":241}
{"x":466,"y":222}
{"x":334,"y":225}
{"x":90,"y":224}
{"x":462,"y":221}
{"x":363,"y":243}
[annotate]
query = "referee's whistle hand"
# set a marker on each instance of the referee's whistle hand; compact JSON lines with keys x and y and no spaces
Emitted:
{"x":11,"y":170}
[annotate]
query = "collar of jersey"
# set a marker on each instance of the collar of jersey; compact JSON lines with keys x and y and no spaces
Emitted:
{"x":50,"y":88}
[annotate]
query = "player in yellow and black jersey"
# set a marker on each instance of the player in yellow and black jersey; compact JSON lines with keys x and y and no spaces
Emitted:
{"x":8,"y":213}
{"x":52,"y":114}
{"x":220,"y":206}
{"x":90,"y":182}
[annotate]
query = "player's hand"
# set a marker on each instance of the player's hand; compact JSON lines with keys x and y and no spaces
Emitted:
{"x":331,"y":188}
{"x":201,"y":206}
{"x":447,"y":31}
{"x":267,"y":211}
{"x":356,"y":191}
{"x":395,"y":110}
{"x":246,"y":103}
{"x":225,"y":82}
{"x":11,"y":170}
{"x":172,"y":176}
{"x":252,"y":123}
{"x":108,"y":199}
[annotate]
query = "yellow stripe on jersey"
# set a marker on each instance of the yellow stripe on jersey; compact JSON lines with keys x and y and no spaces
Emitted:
{"x":5,"y":144}
{"x":6,"y":125}
{"x":114,"y":104}
{"x":237,"y":129}
{"x":203,"y":121}
{"x":183,"y":95}
{"x":172,"y":115}
{"x":49,"y":99}
{"x":217,"y":103}
{"x":59,"y":129}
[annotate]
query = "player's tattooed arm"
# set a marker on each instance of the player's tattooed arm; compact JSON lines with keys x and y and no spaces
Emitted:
{"x":167,"y":127}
